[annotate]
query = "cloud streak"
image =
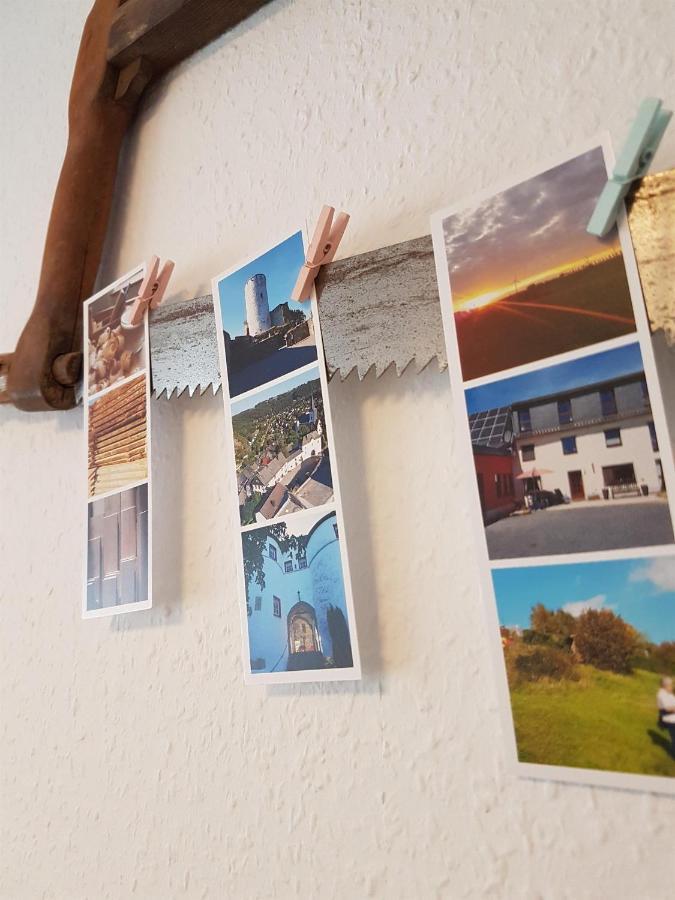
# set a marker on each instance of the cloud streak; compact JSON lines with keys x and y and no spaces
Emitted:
{"x":535,"y":226}
{"x":577,"y":607}
{"x":660,"y":573}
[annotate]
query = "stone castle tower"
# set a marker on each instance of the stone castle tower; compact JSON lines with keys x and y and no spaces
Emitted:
{"x":257,"y":305}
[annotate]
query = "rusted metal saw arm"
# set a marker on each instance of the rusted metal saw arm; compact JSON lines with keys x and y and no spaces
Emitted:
{"x":42,"y":370}
{"x":124,"y":45}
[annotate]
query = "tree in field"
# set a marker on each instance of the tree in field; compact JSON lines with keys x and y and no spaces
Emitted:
{"x":602,"y":639}
{"x":557,"y":626}
{"x":664,"y":654}
{"x":254,"y":543}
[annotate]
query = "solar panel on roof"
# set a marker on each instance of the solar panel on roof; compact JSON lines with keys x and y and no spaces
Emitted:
{"x":487,"y":427}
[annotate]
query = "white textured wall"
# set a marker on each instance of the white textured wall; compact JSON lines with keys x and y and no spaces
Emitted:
{"x":134,"y":762}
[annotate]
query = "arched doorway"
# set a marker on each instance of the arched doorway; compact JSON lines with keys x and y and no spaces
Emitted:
{"x":303,"y":634}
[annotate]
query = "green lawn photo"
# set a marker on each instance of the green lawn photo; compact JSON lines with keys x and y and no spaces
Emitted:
{"x":586,"y":646}
{"x":602,"y":721}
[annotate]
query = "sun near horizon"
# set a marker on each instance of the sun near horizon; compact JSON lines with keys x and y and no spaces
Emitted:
{"x":487,"y":297}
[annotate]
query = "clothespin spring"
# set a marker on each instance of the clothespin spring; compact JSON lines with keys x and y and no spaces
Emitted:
{"x":151,"y":292}
{"x":322,"y":250}
{"x":633,"y":162}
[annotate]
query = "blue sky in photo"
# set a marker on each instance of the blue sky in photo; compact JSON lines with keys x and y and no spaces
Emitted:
{"x":641,"y":591}
{"x":280,"y":265}
{"x":287,"y":384}
{"x":551,"y":379}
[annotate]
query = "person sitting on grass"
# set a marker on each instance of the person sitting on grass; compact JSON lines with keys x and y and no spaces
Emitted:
{"x":665,"y":700}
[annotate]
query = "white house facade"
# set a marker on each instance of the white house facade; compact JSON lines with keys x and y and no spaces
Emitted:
{"x":311,"y":444}
{"x":595,"y":442}
{"x":290,"y":623}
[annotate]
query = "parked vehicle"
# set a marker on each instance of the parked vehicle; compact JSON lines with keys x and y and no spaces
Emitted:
{"x":543,"y":499}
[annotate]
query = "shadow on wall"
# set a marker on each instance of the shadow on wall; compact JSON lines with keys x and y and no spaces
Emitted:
{"x":169,"y":420}
{"x":363,"y":479}
{"x":385,"y":572}
{"x":350,"y":422}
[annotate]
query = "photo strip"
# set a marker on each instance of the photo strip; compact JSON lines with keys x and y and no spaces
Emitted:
{"x":568,"y":461}
{"x":295,"y":591}
{"x":117,"y":424}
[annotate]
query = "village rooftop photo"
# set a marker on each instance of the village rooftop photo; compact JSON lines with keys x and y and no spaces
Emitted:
{"x":567,"y":458}
{"x":280,"y":448}
{"x":266,"y":334}
{"x":587,"y":647}
{"x":527,"y":280}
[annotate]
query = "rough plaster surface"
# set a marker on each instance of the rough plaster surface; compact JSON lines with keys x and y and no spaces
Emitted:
{"x":134,"y":762}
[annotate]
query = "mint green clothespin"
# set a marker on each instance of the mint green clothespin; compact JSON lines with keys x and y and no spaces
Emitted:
{"x":633,"y":162}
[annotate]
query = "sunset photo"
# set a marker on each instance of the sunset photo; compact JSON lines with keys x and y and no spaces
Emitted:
{"x":527,"y":280}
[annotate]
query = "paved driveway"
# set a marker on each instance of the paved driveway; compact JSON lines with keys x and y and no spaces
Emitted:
{"x":281,"y":362}
{"x":609,"y":526}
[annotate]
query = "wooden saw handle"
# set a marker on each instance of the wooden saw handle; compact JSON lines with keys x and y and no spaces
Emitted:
{"x":44,"y":368}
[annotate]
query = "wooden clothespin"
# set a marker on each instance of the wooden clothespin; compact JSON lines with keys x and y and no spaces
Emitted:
{"x":633,"y":162}
{"x":326,"y":240}
{"x":151,"y":292}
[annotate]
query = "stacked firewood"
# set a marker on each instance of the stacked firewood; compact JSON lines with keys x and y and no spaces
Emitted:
{"x":118,"y":438}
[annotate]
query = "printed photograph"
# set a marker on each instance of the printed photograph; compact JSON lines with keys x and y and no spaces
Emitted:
{"x":295,"y":596}
{"x":281,"y":450}
{"x":267,"y":335}
{"x":117,"y":550}
{"x":527,"y":280}
{"x":116,"y":349}
{"x":567,"y":458}
{"x":117,"y":438}
{"x":590,"y":660}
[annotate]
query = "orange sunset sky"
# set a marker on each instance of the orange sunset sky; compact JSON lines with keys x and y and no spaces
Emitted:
{"x":530,"y":232}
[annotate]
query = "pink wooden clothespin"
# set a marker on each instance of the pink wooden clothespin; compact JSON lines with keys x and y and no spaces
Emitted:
{"x":151,"y":291}
{"x":326,"y":240}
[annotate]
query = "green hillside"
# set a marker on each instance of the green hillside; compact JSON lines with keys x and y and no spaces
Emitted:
{"x":602,"y":721}
{"x":245,"y":422}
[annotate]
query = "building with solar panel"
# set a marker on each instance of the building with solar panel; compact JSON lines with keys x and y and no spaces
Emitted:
{"x":495,"y":461}
{"x":591,"y":442}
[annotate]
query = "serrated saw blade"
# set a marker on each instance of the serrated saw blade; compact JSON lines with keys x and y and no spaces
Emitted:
{"x":377,"y":310}
{"x":381,"y":309}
